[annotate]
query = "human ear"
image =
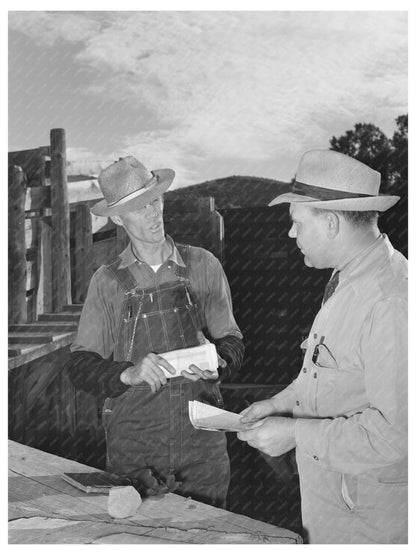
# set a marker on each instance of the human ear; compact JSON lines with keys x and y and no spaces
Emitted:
{"x":116,"y":220}
{"x":332,"y":222}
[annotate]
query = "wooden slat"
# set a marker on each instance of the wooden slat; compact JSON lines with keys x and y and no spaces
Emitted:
{"x":82,"y":268}
{"x":17,"y":246}
{"x":73,"y":308}
{"x":56,"y":327}
{"x":31,"y":232}
{"x":31,"y":275}
{"x":29,"y":160}
{"x":44,"y":297}
{"x":62,"y":338}
{"x":37,"y":198}
{"x":24,"y":338}
{"x":59,"y":317}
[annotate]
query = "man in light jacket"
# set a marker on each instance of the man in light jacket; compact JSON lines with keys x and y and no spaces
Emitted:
{"x":346,"y":412}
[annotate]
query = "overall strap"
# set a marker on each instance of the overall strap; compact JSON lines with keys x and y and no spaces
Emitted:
{"x":123,"y":276}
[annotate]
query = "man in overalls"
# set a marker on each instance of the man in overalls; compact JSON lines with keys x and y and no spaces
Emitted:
{"x":157,"y":296}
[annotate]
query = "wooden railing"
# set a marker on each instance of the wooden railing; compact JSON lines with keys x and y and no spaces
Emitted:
{"x":55,"y":246}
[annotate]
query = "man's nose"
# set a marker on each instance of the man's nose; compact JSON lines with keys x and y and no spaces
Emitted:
{"x":152,"y":211}
{"x":292,"y":232}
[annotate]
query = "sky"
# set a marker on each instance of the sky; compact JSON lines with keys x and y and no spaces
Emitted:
{"x":207,"y":93}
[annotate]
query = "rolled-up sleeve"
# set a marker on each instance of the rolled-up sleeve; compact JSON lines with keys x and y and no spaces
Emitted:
{"x":377,"y":436}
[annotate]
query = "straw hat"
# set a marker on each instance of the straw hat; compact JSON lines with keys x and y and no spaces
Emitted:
{"x":329,"y":179}
{"x":127,"y":185}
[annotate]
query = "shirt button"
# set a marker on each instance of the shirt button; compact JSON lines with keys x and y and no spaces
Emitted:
{"x":315,"y":375}
{"x":304,"y":370}
{"x":297,"y":403}
{"x":315,"y":335}
{"x":316,"y":458}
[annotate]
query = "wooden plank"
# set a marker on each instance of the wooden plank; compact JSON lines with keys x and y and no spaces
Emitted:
{"x":17,"y":404}
{"x":61,"y":271}
{"x":212,"y":228}
{"x":44,"y":326}
{"x":44,"y":297}
{"x":31,"y":232}
{"x":24,"y":338}
{"x":73,"y":308}
{"x":82,"y":267}
{"x":29,"y":160}
{"x":165,"y":519}
{"x":59,"y":317}
{"x":17,"y":246}
{"x":31,"y":302}
{"x":31,"y":275}
{"x":63,"y":338}
{"x":37,"y":198}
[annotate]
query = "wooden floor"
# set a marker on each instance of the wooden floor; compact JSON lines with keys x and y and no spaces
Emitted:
{"x":44,"y":509}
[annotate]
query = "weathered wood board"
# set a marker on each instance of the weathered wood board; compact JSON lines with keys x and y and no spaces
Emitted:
{"x":44,"y":509}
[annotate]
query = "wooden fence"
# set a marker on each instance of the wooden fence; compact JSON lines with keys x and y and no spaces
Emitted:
{"x":97,"y":240}
{"x":55,"y":246}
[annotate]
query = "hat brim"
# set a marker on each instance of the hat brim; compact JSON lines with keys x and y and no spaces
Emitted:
{"x":165,"y":178}
{"x":379,"y":203}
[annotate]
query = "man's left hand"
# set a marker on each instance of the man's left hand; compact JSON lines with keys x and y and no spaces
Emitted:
{"x":198,"y":374}
{"x":273,"y":435}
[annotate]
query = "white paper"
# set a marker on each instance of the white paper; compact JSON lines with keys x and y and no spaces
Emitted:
{"x":207,"y":417}
{"x":203,"y":356}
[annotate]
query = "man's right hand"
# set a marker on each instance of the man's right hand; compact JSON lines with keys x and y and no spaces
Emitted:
{"x":148,"y":370}
{"x":259,"y":410}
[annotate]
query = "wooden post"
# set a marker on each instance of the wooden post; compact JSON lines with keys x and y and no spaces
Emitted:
{"x":17,"y":246}
{"x":211,"y":226}
{"x":82,"y":271}
{"x":61,"y":270}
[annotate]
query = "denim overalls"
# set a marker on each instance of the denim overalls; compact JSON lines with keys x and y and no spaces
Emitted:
{"x":146,"y":429}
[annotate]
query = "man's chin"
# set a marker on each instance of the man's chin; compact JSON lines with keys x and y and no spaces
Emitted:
{"x":308,"y":262}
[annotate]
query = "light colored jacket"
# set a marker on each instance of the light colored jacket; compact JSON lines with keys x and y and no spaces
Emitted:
{"x":350,"y":399}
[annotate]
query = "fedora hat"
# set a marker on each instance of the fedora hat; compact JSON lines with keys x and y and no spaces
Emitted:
{"x":127,"y":185}
{"x":331,"y":180}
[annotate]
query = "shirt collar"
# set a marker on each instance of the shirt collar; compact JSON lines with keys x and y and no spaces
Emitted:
{"x":127,"y":257}
{"x":367,"y":257}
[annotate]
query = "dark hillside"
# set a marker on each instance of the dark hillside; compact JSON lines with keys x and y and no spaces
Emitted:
{"x":234,"y":191}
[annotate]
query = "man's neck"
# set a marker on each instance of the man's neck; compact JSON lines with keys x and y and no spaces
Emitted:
{"x":356,"y":243}
{"x":151,"y":253}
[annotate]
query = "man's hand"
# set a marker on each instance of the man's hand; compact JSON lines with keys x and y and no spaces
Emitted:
{"x":273,"y":435}
{"x":198,"y":374}
{"x":148,"y":370}
{"x":258,"y":410}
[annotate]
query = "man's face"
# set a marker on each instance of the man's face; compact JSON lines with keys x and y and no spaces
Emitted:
{"x":146,"y":224}
{"x":311,"y":233}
